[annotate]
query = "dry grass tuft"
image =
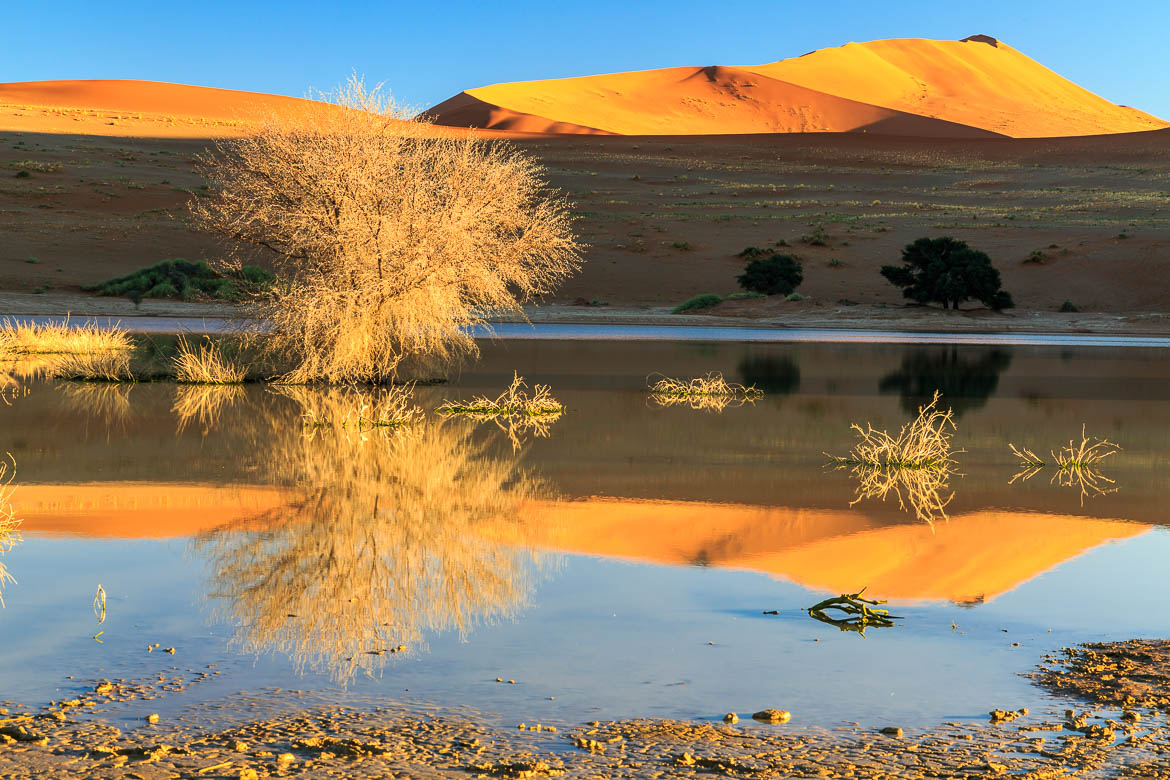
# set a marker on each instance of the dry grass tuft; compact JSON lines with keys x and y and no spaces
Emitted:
{"x":915,"y":466}
{"x":515,"y":411}
{"x":26,"y":338}
{"x":206,"y":366}
{"x":390,"y":238}
{"x":9,"y":523}
{"x":108,"y":366}
{"x":710,"y":392}
{"x":1077,"y":464}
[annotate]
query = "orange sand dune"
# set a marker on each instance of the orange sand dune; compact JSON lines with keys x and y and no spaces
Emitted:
{"x":980,"y":82}
{"x":677,"y":101}
{"x":974,"y":557}
{"x":142,"y":108}
{"x":908,"y":87}
{"x":139,"y":510}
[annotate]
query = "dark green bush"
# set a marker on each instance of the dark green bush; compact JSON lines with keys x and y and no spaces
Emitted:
{"x":1068,"y":306}
{"x":775,"y":275}
{"x":179,"y":278}
{"x":704,"y":301}
{"x":947,"y":271}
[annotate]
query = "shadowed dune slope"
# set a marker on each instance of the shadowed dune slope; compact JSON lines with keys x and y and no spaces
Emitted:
{"x":682,"y":101}
{"x":979,"y":81}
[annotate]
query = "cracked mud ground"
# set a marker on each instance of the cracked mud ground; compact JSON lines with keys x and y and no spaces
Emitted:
{"x":1112,"y":724}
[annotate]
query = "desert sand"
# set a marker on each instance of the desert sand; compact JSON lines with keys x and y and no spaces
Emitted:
{"x":95,"y":177}
{"x":976,"y":87}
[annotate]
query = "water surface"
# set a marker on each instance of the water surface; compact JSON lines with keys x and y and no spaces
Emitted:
{"x":619,"y":566}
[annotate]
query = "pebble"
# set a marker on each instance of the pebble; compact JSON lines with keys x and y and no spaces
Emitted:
{"x":731,"y":717}
{"x":772,"y":716}
{"x":152,"y":718}
{"x":892,"y":731}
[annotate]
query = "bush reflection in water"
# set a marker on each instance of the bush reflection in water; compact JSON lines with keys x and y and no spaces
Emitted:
{"x":388,"y":535}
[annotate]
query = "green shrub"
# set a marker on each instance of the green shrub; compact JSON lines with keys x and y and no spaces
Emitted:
{"x":704,"y":301}
{"x":947,"y":271}
{"x":685,"y":246}
{"x":740,"y":296}
{"x":775,"y":275}
{"x":1068,"y":306}
{"x":1036,"y":256}
{"x":794,"y":297}
{"x":179,"y":278}
{"x":835,"y":262}
{"x":816,"y":238}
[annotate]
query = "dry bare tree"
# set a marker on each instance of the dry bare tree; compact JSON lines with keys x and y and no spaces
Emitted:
{"x":391,"y":236}
{"x":388,"y":535}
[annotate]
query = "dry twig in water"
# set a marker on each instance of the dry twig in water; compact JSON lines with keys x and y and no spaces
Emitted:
{"x":857,"y":612}
{"x":916,"y":466}
{"x":1078,"y":464}
{"x":710,"y":392}
{"x":514,"y":411}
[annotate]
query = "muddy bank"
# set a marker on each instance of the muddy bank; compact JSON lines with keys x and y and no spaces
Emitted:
{"x":1123,"y":733}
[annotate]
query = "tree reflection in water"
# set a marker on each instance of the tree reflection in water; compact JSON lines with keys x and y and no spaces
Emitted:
{"x":389,"y":535}
{"x":965,"y":378}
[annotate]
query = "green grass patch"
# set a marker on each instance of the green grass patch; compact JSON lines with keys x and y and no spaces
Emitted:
{"x":704,"y":301}
{"x":183,"y":279}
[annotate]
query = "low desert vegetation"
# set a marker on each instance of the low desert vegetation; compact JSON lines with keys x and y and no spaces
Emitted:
{"x":515,"y":411}
{"x":179,"y":278}
{"x":513,"y":401}
{"x":710,"y":392}
{"x":109,"y":366}
{"x":206,"y":365}
{"x":63,"y":338}
{"x":1076,"y":464}
{"x":817,"y":237}
{"x":745,"y":296}
{"x":703,"y":301}
{"x":922,"y":443}
{"x":773,"y":275}
{"x":947,"y":271}
{"x":390,"y":238}
{"x":915,"y":466}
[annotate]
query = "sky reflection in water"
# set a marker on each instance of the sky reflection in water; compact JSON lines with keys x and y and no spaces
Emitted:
{"x":621,"y":565}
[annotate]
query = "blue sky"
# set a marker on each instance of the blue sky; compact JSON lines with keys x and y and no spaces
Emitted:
{"x":428,"y":51}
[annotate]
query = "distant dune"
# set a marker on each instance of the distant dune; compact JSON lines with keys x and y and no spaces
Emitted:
{"x":977,"y":87}
{"x":139,"y":108}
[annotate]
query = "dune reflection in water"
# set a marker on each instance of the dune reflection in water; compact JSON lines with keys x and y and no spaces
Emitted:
{"x":383,"y":540}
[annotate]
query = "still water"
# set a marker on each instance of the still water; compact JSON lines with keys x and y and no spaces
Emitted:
{"x":619,"y":566}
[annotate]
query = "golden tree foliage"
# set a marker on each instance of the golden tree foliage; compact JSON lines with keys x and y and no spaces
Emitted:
{"x":388,"y":534}
{"x":390,"y":236}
